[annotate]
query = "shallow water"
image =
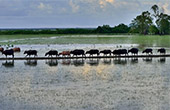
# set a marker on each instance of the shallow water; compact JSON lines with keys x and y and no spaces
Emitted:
{"x":85,"y":84}
{"x":42,"y":48}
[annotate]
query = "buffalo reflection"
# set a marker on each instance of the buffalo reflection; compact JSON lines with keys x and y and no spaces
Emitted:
{"x":31,"y":63}
{"x":52,"y":62}
{"x":8,"y":64}
{"x":148,"y":59}
{"x":120,"y":61}
{"x":93,"y":62}
{"x":162,"y":60}
{"x":107,"y":61}
{"x":66,"y":62}
{"x":78,"y":62}
{"x":134,"y":60}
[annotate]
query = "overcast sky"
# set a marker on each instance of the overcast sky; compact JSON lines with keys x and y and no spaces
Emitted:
{"x":72,"y":13}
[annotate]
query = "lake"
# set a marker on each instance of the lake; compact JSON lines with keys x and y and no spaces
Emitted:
{"x":85,"y":84}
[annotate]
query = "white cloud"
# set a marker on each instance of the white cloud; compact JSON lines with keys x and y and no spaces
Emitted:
{"x":166,"y":8}
{"x":74,"y":6}
{"x":41,"y":6}
{"x":104,"y":3}
{"x":45,"y":7}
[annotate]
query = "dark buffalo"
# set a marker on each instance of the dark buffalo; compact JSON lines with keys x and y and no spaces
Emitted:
{"x":30,"y":52}
{"x":65,"y":53}
{"x":120,"y":52}
{"x":1,"y":49}
{"x":51,"y":53}
{"x":147,"y":51}
{"x":133,"y":51}
{"x":8,"y":52}
{"x":16,"y":49}
{"x":78,"y":52}
{"x":93,"y":52}
{"x":105,"y":52}
{"x":162,"y":50}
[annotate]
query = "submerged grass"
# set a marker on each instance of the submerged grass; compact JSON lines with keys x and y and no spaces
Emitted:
{"x":143,"y":41}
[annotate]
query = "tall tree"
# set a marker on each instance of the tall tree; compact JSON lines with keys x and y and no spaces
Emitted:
{"x":142,"y":22}
{"x":155,"y":9}
{"x":162,"y":20}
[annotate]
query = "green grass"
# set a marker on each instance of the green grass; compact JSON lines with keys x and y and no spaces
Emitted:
{"x":149,"y":40}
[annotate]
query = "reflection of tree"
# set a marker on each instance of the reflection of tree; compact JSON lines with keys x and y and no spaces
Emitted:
{"x":77,"y":62}
{"x":93,"y":62}
{"x":31,"y":62}
{"x":120,"y":61}
{"x":52,"y":62}
{"x":8,"y":64}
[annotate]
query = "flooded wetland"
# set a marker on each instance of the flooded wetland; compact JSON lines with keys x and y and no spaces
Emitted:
{"x":86,"y":84}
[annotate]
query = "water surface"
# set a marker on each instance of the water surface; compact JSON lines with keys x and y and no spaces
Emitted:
{"x":85,"y":84}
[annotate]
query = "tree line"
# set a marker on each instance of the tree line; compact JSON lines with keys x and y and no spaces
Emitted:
{"x":155,"y":22}
{"x":105,"y":29}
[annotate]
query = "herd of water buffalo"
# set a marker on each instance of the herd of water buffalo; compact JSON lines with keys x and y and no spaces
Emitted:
{"x":77,"y":52}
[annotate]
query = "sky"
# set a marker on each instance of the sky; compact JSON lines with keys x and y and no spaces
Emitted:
{"x":73,"y":13}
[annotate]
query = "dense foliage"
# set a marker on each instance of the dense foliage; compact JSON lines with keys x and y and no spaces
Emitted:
{"x":156,"y":23}
{"x":105,"y":29}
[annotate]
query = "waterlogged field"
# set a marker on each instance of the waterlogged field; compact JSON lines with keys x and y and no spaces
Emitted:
{"x":85,"y":84}
{"x":86,"y":39}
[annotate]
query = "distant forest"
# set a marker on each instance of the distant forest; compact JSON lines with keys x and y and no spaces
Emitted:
{"x":155,"y":22}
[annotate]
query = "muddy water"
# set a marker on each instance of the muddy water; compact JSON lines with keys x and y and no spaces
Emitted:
{"x":85,"y":84}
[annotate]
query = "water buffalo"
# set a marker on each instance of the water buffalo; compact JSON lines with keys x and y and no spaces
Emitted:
{"x":1,"y":49}
{"x":8,"y":52}
{"x":30,"y":52}
{"x":133,"y":51}
{"x":78,"y":52}
{"x":51,"y":53}
{"x":93,"y":52}
{"x":120,"y":52}
{"x":105,"y":52}
{"x":162,"y":50}
{"x":16,"y":49}
{"x":147,"y":51}
{"x":65,"y":53}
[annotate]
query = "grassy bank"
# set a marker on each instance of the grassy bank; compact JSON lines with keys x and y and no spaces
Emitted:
{"x":148,"y":40}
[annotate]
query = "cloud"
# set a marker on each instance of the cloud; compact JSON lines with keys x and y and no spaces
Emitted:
{"x":45,"y":7}
{"x":74,"y":6}
{"x":41,"y":6}
{"x":104,"y":3}
{"x":166,"y":8}
{"x":110,"y":1}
